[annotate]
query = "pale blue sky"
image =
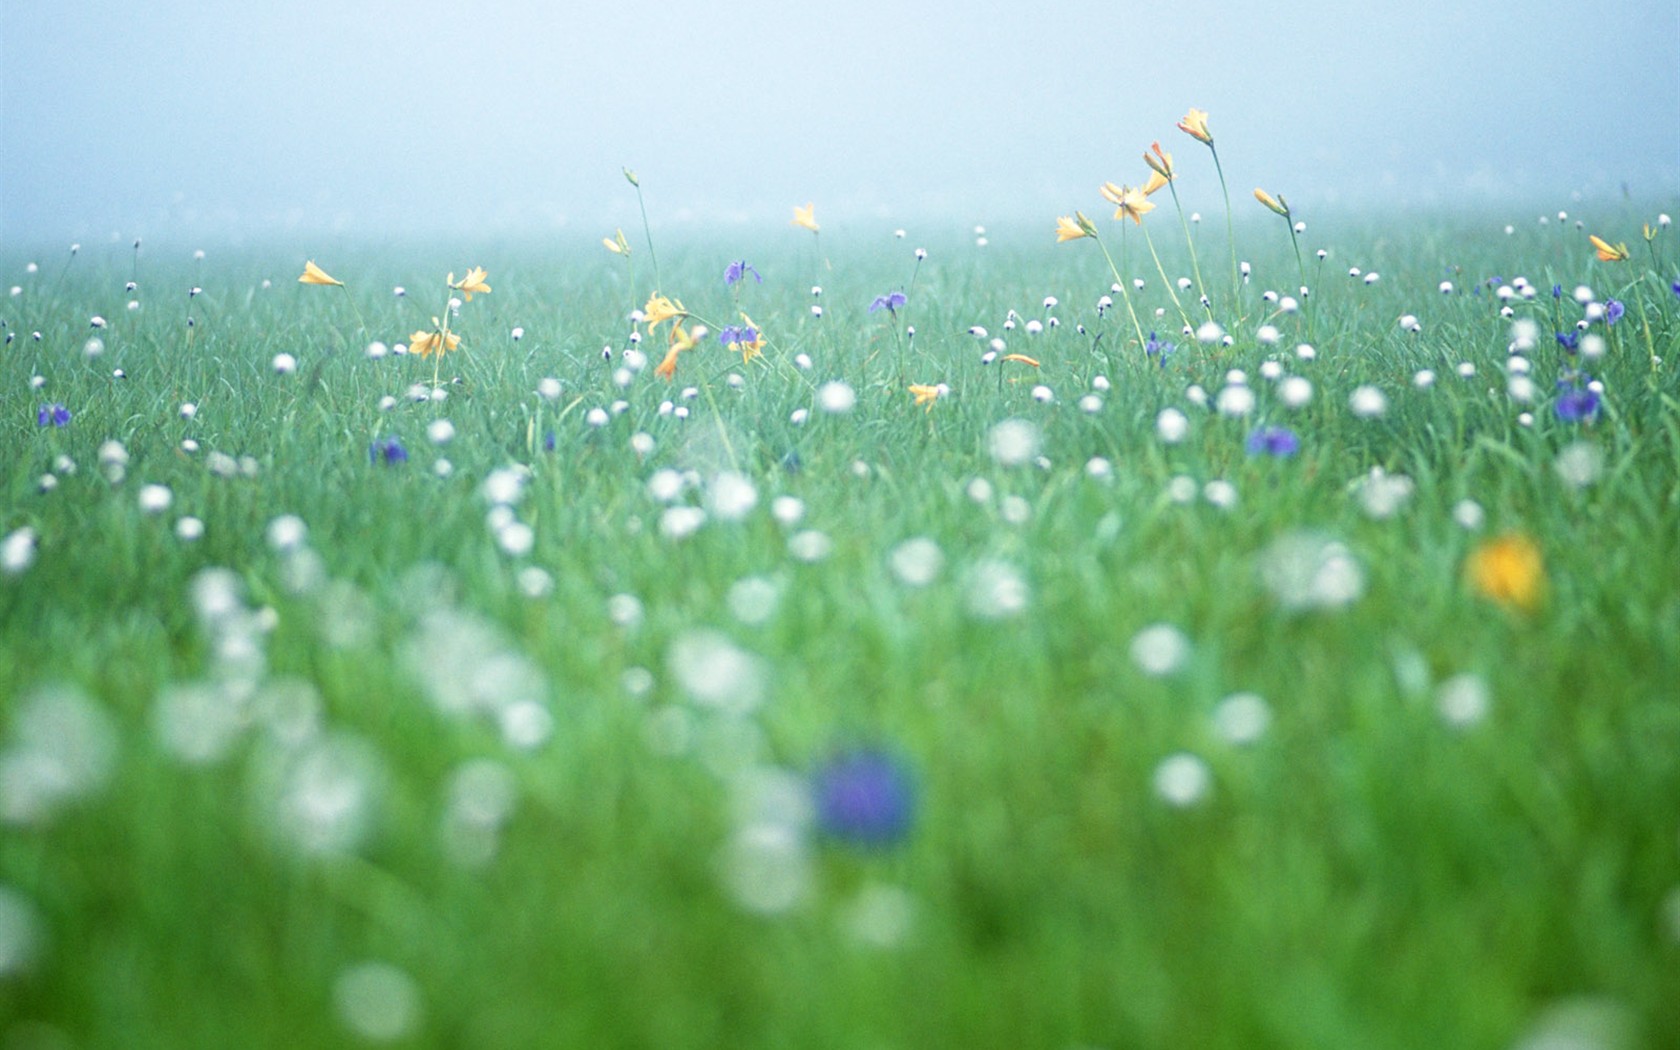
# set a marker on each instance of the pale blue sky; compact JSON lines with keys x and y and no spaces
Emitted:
{"x":203,"y":120}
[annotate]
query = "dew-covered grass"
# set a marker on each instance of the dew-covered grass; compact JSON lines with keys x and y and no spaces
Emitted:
{"x":748,"y":709}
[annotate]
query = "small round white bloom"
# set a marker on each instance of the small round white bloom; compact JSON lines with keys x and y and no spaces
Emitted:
{"x":1271,"y":370}
{"x":1468,"y":515}
{"x":1592,"y":346}
{"x":1091,"y":404}
{"x":1305,"y":352}
{"x":1196,"y":395}
{"x":189,"y":529}
{"x":836,"y":397}
{"x":518,"y":333}
{"x":1446,"y":287}
{"x":1373,"y":277}
{"x":1171,"y":426}
{"x":1295,"y":391}
{"x":440,"y":431}
{"x":1288,"y":305}
{"x":1367,"y":402}
{"x":1583,"y":294}
{"x":284,"y":364}
{"x":596,"y":417}
{"x":1521,"y":389}
{"x":1182,"y":780}
{"x":1220,"y":493}
{"x":155,"y":499}
{"x":802,"y":362}
{"x":1423,"y":379}
{"x":93,"y":347}
{"x":1267,"y":334}
{"x":1410,"y":323}
{"x":189,"y":410}
{"x":376,"y":350}
{"x":1209,"y":332}
{"x":548,"y":388}
{"x":287,"y":533}
{"x":1517,"y":366}
{"x":1235,"y":400}
{"x":1100,"y":384}
{"x":1466,"y":370}
{"x":1043,"y":394}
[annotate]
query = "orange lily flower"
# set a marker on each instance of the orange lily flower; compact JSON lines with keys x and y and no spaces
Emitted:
{"x":313,"y":274}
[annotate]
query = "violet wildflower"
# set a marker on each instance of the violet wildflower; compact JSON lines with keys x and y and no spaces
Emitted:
{"x":1576,"y":406}
{"x":1613,"y":311}
{"x":1557,"y":291}
{"x":54,"y":414}
{"x":1570,"y":341}
{"x":734,"y":334}
{"x":388,"y":451}
{"x":1158,"y":348}
{"x":739,"y":269}
{"x":1676,"y":287}
{"x":1280,"y":442}
{"x":889,"y":302}
{"x":864,"y":796}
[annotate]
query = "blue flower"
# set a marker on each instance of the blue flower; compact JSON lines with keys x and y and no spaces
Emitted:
{"x":889,"y":302}
{"x":733,"y":334}
{"x":389,"y":451}
{"x":739,"y":269}
{"x":1613,"y":311}
{"x":1557,"y":291}
{"x":1570,"y":341}
{"x":1273,"y":441}
{"x":1576,"y":406}
{"x":1158,"y":347}
{"x":55,"y":414}
{"x":1676,"y":287}
{"x":864,"y":796}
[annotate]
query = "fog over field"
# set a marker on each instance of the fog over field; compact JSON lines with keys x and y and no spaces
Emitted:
{"x":385,"y":118}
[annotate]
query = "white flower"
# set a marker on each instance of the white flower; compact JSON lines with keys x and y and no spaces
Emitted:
{"x":17,"y":551}
{"x":1367,"y":402}
{"x":284,"y":364}
{"x":1235,"y":401}
{"x":155,"y":499}
{"x":440,"y":431}
{"x":1182,"y":780}
{"x":836,"y":397}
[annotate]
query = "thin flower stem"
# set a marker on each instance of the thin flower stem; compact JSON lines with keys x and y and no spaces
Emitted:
{"x":1147,"y":239}
{"x":1301,"y":269}
{"x":1120,"y":283}
{"x":360,"y":324}
{"x":1195,"y":264}
{"x":1230,"y":229}
{"x":647,"y":231}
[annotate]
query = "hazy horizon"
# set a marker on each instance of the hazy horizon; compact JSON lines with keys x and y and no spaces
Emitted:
{"x":171,"y":120}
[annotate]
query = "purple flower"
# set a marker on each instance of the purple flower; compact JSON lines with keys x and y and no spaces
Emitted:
{"x":388,"y":451}
{"x":1676,"y":287}
{"x":1613,"y":311}
{"x":739,"y":269}
{"x":1156,"y":347}
{"x":55,"y":414}
{"x":1557,"y":291}
{"x":734,"y":334}
{"x":864,"y":796}
{"x":889,"y":302}
{"x":1273,"y":441}
{"x":1570,"y":341}
{"x":1577,"y":406}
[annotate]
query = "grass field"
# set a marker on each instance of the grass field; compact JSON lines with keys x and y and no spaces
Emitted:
{"x":1107,"y":699}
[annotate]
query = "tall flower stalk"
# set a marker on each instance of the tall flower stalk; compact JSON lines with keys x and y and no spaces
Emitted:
{"x":1161,"y":163}
{"x":647,"y":230}
{"x":1279,"y":206}
{"x":1195,"y":125}
{"x":1077,"y":226}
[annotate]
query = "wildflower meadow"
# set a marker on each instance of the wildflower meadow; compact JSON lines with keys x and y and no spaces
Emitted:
{"x":1186,"y":621}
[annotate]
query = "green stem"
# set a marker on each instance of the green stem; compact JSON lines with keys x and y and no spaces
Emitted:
{"x":1125,"y":295}
{"x":1230,"y":229}
{"x":647,"y":231}
{"x":1195,"y":264}
{"x":1147,"y":239}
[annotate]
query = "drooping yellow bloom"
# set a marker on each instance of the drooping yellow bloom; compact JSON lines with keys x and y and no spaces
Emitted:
{"x":1608,"y":252}
{"x":1021,"y":358}
{"x":1072,"y":227}
{"x":925,"y":394}
{"x":806,"y":217}
{"x":471,"y":283}
{"x":617,"y":244}
{"x":680,"y":341}
{"x":1649,"y":231}
{"x":436,"y":341}
{"x":313,"y":274}
{"x":1194,"y":124}
{"x":1508,"y":570}
{"x":1271,"y":202}
{"x":1156,"y":181}
{"x":1159,"y":161}
{"x":1129,"y":202}
{"x":659,"y":308}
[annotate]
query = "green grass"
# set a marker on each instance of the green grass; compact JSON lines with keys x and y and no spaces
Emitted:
{"x":1365,"y":874}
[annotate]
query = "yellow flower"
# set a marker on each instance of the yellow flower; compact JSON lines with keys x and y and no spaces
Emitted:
{"x":1194,"y":124}
{"x":1159,"y":161}
{"x":1130,"y":203}
{"x":1649,"y":231}
{"x":660,"y":309}
{"x":437,"y":341}
{"x":925,"y":394}
{"x":806,"y":217}
{"x":1022,"y":358}
{"x":1156,"y":181}
{"x":1271,"y":202}
{"x":1608,"y":252}
{"x":1072,"y":227}
{"x":471,"y":283}
{"x":313,"y":274}
{"x":680,"y":341}
{"x":617,"y":244}
{"x":1509,"y":571}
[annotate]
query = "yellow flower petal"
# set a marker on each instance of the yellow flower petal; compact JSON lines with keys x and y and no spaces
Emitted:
{"x":1194,"y":124}
{"x":472,"y":282}
{"x":1608,"y":252}
{"x":1508,"y":570}
{"x":1271,"y":202}
{"x":806,"y":217}
{"x":313,"y":274}
{"x":1068,"y":229}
